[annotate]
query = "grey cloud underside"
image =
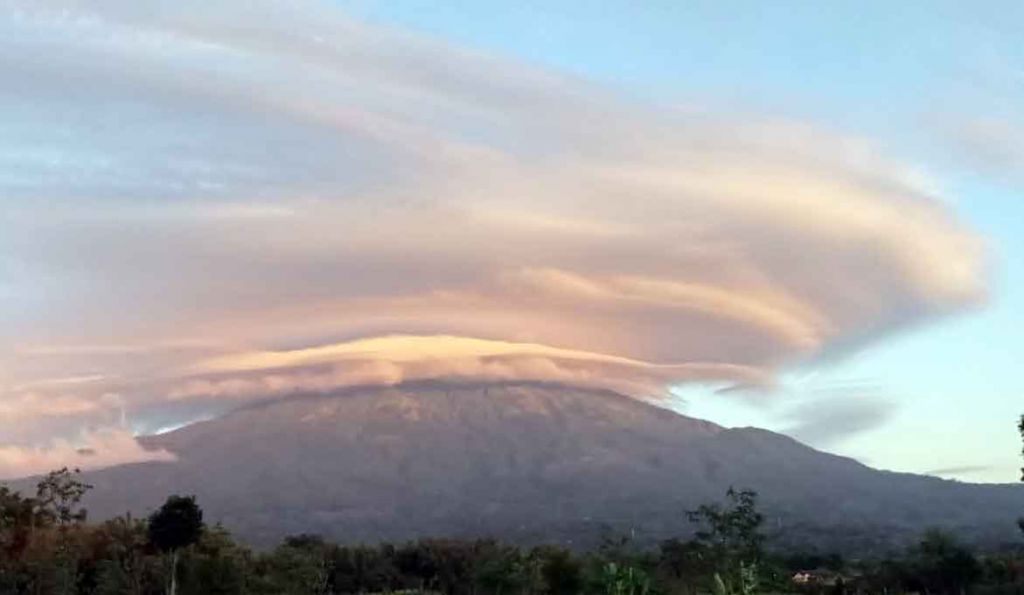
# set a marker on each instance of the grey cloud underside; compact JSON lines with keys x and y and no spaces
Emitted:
{"x":825,"y":422}
{"x":959,"y":471}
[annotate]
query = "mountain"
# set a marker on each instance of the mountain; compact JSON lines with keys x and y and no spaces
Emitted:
{"x":528,"y":463}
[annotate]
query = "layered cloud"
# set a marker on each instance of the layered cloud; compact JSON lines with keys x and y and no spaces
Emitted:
{"x":207,"y":203}
{"x":396,"y":359}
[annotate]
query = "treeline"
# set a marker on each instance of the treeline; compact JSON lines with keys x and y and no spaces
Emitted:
{"x":47,"y":547}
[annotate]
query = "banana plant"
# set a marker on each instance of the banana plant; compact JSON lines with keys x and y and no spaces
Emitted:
{"x":624,"y":580}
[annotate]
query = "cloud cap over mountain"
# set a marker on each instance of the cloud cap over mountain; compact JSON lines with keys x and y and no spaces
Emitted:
{"x":186,"y":184}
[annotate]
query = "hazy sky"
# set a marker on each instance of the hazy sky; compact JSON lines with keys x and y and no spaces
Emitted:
{"x":801,"y":217}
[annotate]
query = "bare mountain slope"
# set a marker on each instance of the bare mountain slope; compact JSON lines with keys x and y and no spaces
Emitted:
{"x":524,"y":462}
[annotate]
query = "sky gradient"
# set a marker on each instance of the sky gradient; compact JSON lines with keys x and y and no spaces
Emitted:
{"x":803,"y":219}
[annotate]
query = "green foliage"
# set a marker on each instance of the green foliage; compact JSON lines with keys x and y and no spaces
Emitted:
{"x":744,"y":581}
{"x":58,"y":497}
{"x":176,"y":524}
{"x":1020,"y":428}
{"x":124,"y":567}
{"x":944,"y":565}
{"x":40,"y":555}
{"x":559,"y":571}
{"x":17,"y":517}
{"x":500,"y":568}
{"x":732,"y":530}
{"x":729,"y":544}
{"x":624,"y":580}
{"x":297,"y":571}
{"x":364,"y":569}
{"x":215,"y":565}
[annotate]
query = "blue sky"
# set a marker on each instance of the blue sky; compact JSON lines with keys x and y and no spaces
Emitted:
{"x":895,"y":73}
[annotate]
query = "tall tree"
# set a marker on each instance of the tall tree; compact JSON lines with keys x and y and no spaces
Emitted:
{"x":560,"y":572}
{"x":177,"y":524}
{"x":1020,"y":428}
{"x":16,"y":518}
{"x":944,"y":565}
{"x":733,"y":529}
{"x":58,"y":498}
{"x":729,"y":538}
{"x":122,"y":571}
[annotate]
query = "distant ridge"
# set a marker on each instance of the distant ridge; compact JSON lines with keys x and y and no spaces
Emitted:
{"x":526,"y":462}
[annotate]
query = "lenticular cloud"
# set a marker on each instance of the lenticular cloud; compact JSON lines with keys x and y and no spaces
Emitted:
{"x":231,"y":201}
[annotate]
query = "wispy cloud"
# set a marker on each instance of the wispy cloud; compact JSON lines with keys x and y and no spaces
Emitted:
{"x":959,"y":471}
{"x":88,"y":451}
{"x":827,"y":421}
{"x":994,"y":145}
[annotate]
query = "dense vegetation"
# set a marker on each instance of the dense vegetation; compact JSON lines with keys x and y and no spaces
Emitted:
{"x":47,"y":547}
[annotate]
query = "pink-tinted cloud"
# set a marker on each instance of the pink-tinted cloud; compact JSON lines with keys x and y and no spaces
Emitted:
{"x":90,"y":451}
{"x":395,"y":359}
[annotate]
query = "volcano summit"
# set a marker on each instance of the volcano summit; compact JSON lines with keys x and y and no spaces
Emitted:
{"x":527,"y":462}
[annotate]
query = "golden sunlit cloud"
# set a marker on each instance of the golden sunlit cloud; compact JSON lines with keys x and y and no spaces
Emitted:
{"x":395,"y":359}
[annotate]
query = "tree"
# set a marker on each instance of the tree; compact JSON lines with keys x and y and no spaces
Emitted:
{"x":177,"y":524}
{"x":58,"y":498}
{"x":733,"y":530}
{"x":944,"y":565}
{"x":1020,"y":428}
{"x":365,"y":569}
{"x":730,"y":539}
{"x":624,"y":580}
{"x":300,"y":566}
{"x":560,"y":572}
{"x":123,"y":568}
{"x":59,"y":494}
{"x":17,"y":515}
{"x":216,"y":565}
{"x":498,"y":568}
{"x":683,"y":564}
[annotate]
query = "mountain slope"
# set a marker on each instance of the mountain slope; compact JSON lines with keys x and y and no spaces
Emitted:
{"x":525,"y":462}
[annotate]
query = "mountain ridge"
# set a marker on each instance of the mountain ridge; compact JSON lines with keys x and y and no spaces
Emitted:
{"x":529,"y":463}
